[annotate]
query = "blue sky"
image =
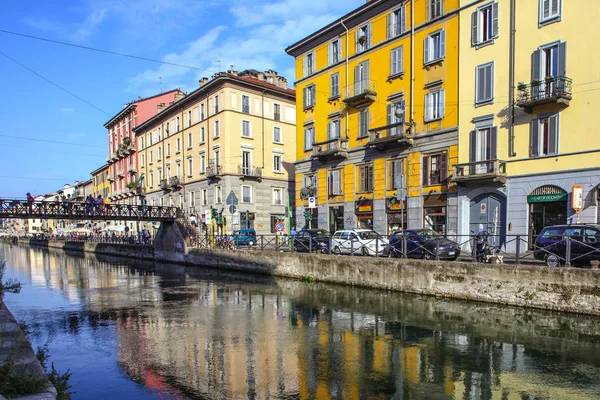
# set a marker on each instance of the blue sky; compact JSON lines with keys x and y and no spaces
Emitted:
{"x":35,"y":113}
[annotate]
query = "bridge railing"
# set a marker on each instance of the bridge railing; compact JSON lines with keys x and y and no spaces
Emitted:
{"x":82,"y":210}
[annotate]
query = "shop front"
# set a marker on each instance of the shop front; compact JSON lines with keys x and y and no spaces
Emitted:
{"x":247,"y":220}
{"x":547,"y":206}
{"x":364,"y":213}
{"x":434,"y":212}
{"x":396,"y":214}
{"x":336,"y":218}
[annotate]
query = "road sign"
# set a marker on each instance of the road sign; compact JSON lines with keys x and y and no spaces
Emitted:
{"x":312,"y":202}
{"x":231,"y":199}
{"x":207,"y":217}
{"x":232,"y":209}
{"x":279,"y":226}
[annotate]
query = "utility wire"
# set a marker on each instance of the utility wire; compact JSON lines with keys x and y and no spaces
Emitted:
{"x":54,"y":84}
{"x":35,"y":178}
{"x":51,"y":141}
{"x":103,"y":51}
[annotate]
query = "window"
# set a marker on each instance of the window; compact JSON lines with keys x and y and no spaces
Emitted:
{"x":434,"y":105}
{"x":483,"y":147}
{"x":365,"y":178}
{"x":246,"y":129}
{"x":189,"y":118}
{"x":177,"y":145}
{"x":246,"y":194}
{"x":218,"y":195}
{"x":202,"y":112}
{"x":395,"y":174}
{"x":150,"y":160}
{"x":189,"y":143}
{"x":159,"y":153}
{"x":202,"y":163}
{"x":333,"y":129}
{"x":543,"y":139}
{"x":277,"y":112}
{"x":277,"y":162}
{"x":216,"y":132}
{"x":393,"y":118}
{"x":168,"y":152}
{"x":309,"y":138}
{"x":361,"y":78}
{"x":334,"y":85}
{"x":202,"y":138}
{"x":246,"y":162}
{"x":217,"y":154}
{"x":484,"y":84}
{"x":549,"y":11}
{"x":168,"y":171}
{"x":435,"y":169}
{"x":435,"y":8}
{"x":160,"y":174}
{"x":277,"y":134}
{"x":335,"y":185}
{"x":192,"y":199}
{"x":434,"y":47}
{"x":309,"y":93}
{"x":190,"y":168}
{"x":549,"y":61}
{"x":278,"y":196}
{"x":203,"y":197}
{"x":216,"y":103}
{"x":177,"y":123}
{"x":310,"y":180}
{"x":363,"y":38}
{"x":151,"y":178}
{"x":142,"y":143}
{"x":334,"y":52}
{"x":143,"y":160}
{"x":308,"y":64}
{"x":178,"y":170}
{"x":396,"y":22}
{"x":397,"y":59}
{"x":484,"y":24}
{"x":166,"y":129}
{"x":245,"y":104}
{"x":363,"y":122}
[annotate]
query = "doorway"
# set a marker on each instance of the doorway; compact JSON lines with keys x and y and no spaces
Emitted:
{"x":488,"y":215}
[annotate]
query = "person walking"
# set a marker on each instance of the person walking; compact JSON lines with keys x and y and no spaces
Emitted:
{"x":30,"y":201}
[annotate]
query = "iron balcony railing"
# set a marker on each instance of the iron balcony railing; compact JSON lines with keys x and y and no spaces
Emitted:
{"x":250,"y":171}
{"x":556,"y":89}
{"x":174,"y":181}
{"x":336,"y":147}
{"x":277,"y":116}
{"x":164,"y":184}
{"x":480,"y":170}
{"x":213,"y":171}
{"x":360,"y":92}
{"x":246,"y":109}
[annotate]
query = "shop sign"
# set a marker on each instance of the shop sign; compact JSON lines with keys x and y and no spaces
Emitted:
{"x":394,"y":204}
{"x":577,"y":198}
{"x":364,"y":206}
{"x":546,"y":198}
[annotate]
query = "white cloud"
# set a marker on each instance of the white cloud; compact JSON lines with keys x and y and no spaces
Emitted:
{"x":89,"y":25}
{"x":66,"y":110}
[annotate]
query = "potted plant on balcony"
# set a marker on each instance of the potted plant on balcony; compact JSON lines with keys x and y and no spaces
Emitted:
{"x":131,"y":186}
{"x":362,"y":40}
{"x":535,"y":82}
{"x":308,"y":191}
{"x":522,"y":86}
{"x":370,"y":92}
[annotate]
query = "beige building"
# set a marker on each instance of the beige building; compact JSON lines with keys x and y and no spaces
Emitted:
{"x":232,"y":137}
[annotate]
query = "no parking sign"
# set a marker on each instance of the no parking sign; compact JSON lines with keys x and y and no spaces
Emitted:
{"x":279,"y":226}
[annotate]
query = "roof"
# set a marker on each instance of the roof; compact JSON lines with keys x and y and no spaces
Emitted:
{"x":222,"y":78}
{"x":98,"y":170}
{"x":132,"y":105}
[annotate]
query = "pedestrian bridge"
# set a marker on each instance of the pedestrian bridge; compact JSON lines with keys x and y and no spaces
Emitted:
{"x":83,"y":211}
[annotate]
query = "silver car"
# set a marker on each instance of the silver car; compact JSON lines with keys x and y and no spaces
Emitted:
{"x":358,"y":241}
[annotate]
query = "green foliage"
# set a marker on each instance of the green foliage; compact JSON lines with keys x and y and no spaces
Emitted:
{"x":61,"y":383}
{"x":17,"y":383}
{"x":10,"y":285}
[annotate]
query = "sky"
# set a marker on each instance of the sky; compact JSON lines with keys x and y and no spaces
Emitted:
{"x":56,"y":98}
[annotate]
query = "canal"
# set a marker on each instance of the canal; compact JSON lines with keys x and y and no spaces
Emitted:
{"x":137,"y":330}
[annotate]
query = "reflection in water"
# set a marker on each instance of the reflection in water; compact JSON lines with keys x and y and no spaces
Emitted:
{"x":155,"y":330}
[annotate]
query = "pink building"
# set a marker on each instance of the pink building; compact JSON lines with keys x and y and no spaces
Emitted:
{"x":122,"y":158}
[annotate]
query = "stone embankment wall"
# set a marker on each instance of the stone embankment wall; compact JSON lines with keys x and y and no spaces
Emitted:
{"x":563,"y":289}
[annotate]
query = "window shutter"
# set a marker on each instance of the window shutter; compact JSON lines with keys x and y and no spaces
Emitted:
{"x":304,"y":66}
{"x":442,"y":102}
{"x":357,"y":80}
{"x":330,"y":183}
{"x":536,"y":62}
{"x":330,"y":53}
{"x":555,"y":4}
{"x":304,"y":97}
{"x":390,"y":118}
{"x":425,"y":170}
{"x":365,"y":75}
{"x":402,"y":18}
{"x":495,"y":14}
{"x":545,"y":9}
{"x":403,"y":107}
{"x":562,"y":59}
{"x":427,"y":115}
{"x":392,"y":62}
{"x":473,"y":146}
{"x":443,"y":167}
{"x":356,"y":36}
{"x":390,"y":19}
{"x":553,"y":134}
{"x":443,"y":43}
{"x":426,"y":50}
{"x":369,"y":35}
{"x":329,"y":129}
{"x":361,"y":179}
{"x":313,"y":93}
{"x":428,"y":10}
{"x":534,"y":138}
{"x":337,"y":182}
{"x":474,"y":28}
{"x":494,"y":143}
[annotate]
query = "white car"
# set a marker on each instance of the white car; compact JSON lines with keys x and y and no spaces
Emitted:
{"x":358,"y":241}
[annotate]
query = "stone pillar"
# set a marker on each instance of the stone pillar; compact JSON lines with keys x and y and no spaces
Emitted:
{"x":323,"y":222}
{"x":349,"y":216}
{"x":414,"y":218}
{"x":172,"y":238}
{"x":379,"y":217}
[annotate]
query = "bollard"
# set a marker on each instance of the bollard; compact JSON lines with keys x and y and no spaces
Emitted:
{"x":518,"y":249}
{"x":309,"y":244}
{"x":377,"y":247}
{"x":330,"y":244}
{"x":437,"y":248}
{"x":262,"y":242}
{"x":351,"y":247}
{"x":404,"y":250}
{"x":568,"y":252}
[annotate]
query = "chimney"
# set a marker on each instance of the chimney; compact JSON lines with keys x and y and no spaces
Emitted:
{"x":202,"y":82}
{"x":178,"y":96}
{"x":160,"y":107}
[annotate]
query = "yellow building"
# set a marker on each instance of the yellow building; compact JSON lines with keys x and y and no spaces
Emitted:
{"x":101,"y":181}
{"x":528,"y":93}
{"x":378,"y":112}
{"x":232,"y":139}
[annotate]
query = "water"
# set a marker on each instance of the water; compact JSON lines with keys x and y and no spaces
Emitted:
{"x":132,"y":330}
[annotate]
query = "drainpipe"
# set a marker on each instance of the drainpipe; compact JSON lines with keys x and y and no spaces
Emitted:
{"x":412,"y":65}
{"x":262,"y":107}
{"x":347,"y":41}
{"x":511,"y":79}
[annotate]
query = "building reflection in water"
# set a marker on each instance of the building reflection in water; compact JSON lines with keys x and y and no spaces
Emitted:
{"x":206,"y":334}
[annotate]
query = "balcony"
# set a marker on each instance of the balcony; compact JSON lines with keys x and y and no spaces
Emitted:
{"x":389,"y":136}
{"x":361,"y":93}
{"x":489,"y":171}
{"x":552,"y":90}
{"x":213,"y":171}
{"x":110,"y":179}
{"x":133,"y":170}
{"x":332,"y":148}
{"x":249,"y":172}
{"x":164,"y":184}
{"x":174,"y":182}
{"x":121,"y":173}
{"x":140,"y":190}
{"x":78,"y":194}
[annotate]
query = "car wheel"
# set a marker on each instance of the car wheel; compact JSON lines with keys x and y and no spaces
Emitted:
{"x":250,"y":243}
{"x":364,"y":251}
{"x":427,"y":255}
{"x":552,"y":260}
{"x":337,"y":251}
{"x":494,"y":260}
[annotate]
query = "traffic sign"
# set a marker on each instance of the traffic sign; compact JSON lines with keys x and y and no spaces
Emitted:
{"x":207,"y":217}
{"x":232,"y":209}
{"x":279,"y":227}
{"x":231,"y":199}
{"x":312,"y":202}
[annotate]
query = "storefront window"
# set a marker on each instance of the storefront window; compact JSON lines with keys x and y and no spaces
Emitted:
{"x":247,"y":220}
{"x":364,"y":214}
{"x":434,"y":213}
{"x":336,"y":218}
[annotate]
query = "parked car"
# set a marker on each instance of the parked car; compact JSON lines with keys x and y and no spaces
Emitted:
{"x":315,"y":240}
{"x":422,"y":243}
{"x":358,"y":241}
{"x":244,"y":237}
{"x":551,"y":244}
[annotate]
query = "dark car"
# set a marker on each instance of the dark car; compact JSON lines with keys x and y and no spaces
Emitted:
{"x":551,"y":244}
{"x":315,"y":240}
{"x":422,"y":243}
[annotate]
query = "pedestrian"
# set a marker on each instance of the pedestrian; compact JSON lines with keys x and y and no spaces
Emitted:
{"x":99,"y":202}
{"x":69,"y":201}
{"x":30,"y":201}
{"x":193,"y":221}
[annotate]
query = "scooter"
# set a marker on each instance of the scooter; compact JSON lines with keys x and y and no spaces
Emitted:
{"x":484,"y":252}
